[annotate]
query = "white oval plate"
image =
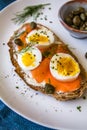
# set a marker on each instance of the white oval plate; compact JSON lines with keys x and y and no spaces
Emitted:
{"x":30,"y":104}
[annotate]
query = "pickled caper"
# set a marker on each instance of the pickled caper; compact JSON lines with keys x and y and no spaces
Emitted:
{"x":49,"y":89}
{"x":81,"y":9}
{"x":85,"y":28}
{"x":73,"y":26}
{"x":33,"y":25}
{"x":70,"y":15}
{"x":68,"y":20}
{"x":86,"y":13}
{"x":86,"y":23}
{"x":82,"y":28}
{"x":83,"y":16}
{"x":76,"y":20}
{"x":75,"y":12}
{"x":18,"y":42}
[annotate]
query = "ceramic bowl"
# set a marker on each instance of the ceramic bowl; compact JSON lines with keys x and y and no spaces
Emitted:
{"x":65,"y":9}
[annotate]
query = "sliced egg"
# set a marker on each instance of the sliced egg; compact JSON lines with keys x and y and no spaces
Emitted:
{"x":30,"y":59}
{"x":42,"y":37}
{"x":64,"y":67}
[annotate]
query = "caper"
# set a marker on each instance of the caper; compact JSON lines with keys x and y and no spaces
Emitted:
{"x":49,"y":89}
{"x":75,"y":12}
{"x":33,"y":25}
{"x":70,"y":15}
{"x":68,"y":20}
{"x":85,"y":28}
{"x":76,"y":20}
{"x":86,"y":13}
{"x":82,"y":22}
{"x":82,"y":28}
{"x":86,"y":23}
{"x":82,"y":16}
{"x":73,"y":26}
{"x":81,"y":9}
{"x":18,"y":42}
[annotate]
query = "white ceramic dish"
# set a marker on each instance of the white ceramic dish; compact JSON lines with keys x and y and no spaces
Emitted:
{"x":28,"y":103}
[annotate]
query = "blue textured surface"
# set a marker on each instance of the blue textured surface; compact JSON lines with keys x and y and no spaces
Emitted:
{"x":9,"y":120}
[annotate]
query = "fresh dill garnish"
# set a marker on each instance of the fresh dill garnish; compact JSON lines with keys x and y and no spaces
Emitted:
{"x":25,"y":49}
{"x":21,"y":17}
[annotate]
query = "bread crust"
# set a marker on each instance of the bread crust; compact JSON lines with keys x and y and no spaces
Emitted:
{"x":62,"y":96}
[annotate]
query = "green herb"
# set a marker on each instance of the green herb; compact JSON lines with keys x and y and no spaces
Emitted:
{"x":17,"y":87}
{"x":18,"y":34}
{"x":21,"y":17}
{"x":46,"y":53}
{"x":25,"y":49}
{"x":79,"y":108}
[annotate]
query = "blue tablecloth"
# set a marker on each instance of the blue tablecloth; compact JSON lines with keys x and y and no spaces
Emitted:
{"x":9,"y":120}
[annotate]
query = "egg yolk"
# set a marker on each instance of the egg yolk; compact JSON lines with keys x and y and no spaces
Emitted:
{"x":67,"y":66}
{"x":28,"y":59}
{"x":38,"y":38}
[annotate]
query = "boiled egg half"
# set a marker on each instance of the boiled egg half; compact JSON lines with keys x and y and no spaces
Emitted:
{"x":64,"y":67}
{"x":41,"y":38}
{"x":30,"y":59}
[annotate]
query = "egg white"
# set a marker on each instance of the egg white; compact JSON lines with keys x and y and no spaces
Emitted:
{"x":54,"y":70}
{"x":38,"y":57}
{"x":41,"y":32}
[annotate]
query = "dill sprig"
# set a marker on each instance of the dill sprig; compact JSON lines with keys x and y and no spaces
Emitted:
{"x":27,"y":48}
{"x":24,"y":50}
{"x":21,"y":17}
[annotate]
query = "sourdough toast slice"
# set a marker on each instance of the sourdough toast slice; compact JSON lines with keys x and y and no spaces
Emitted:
{"x":14,"y":49}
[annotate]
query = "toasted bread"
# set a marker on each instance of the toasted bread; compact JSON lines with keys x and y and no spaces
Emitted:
{"x":31,"y":82}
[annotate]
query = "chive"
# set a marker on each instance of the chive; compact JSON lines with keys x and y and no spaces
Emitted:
{"x":17,"y":87}
{"x":25,"y":49}
{"x":49,"y":8}
{"x":79,"y":108}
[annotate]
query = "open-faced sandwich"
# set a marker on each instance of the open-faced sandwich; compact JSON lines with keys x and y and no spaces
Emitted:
{"x":45,"y":63}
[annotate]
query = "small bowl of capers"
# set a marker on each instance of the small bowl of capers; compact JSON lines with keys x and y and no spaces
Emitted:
{"x":73,"y":16}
